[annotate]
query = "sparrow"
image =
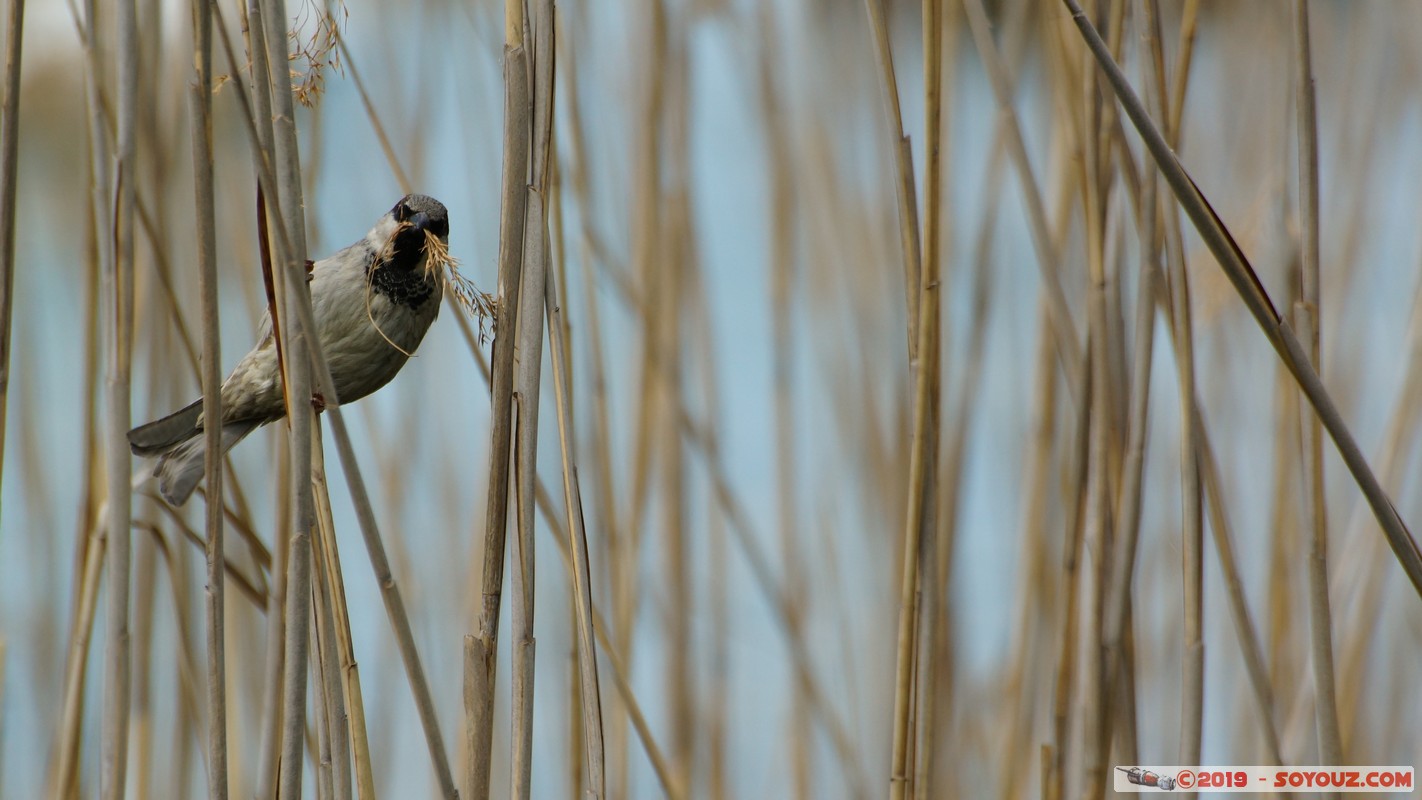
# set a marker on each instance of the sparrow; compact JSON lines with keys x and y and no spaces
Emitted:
{"x":372,"y":304}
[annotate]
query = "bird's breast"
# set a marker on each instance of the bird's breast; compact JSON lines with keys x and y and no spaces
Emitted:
{"x":367,"y":334}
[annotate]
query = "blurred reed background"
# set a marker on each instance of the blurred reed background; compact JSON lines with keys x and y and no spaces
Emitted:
{"x":950,"y":471}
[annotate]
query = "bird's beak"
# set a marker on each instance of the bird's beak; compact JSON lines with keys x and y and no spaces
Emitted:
{"x":420,"y":220}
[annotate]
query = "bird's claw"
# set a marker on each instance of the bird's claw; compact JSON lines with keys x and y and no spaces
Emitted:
{"x":310,"y":270}
{"x":318,"y":402}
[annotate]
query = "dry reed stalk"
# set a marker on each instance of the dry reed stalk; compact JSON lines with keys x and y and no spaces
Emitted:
{"x":1092,"y":719}
{"x":718,"y":691}
{"x":65,"y":780}
{"x":445,"y":268}
{"x":327,"y":593}
{"x":1189,"y":16}
{"x":654,"y":753}
{"x":517,"y":140}
{"x":904,"y":190}
{"x":188,"y":697}
{"x":677,"y":572}
{"x":924,"y":443}
{"x":915,"y":294}
{"x":783,"y":271}
{"x":1182,"y":335}
{"x":144,"y":602}
{"x":118,"y":285}
{"x":1129,"y":501}
{"x":1246,"y":283}
{"x":258,"y":107}
{"x":1250,"y":649}
{"x":332,"y":585}
{"x":616,"y":667}
{"x":646,"y":232}
{"x":585,"y":693}
{"x":1360,"y":566}
{"x":525,"y":462}
{"x":472,"y":695}
{"x":606,"y":518}
{"x":1062,"y":748}
{"x":9,"y":180}
{"x":527,"y":386}
{"x":1035,"y":588}
{"x":587,"y":685}
{"x":1281,"y":586}
{"x":1048,"y":259}
{"x":1307,"y":314}
{"x":305,"y":373}
{"x":200,"y":114}
{"x":394,"y":605}
{"x":1192,"y":695}
{"x":937,"y":721}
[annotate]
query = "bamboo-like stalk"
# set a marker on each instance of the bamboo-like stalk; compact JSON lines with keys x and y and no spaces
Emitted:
{"x":605,"y":518}
{"x":329,"y":566}
{"x":473,"y":696}
{"x":518,"y":110}
{"x":1129,"y":504}
{"x":293,"y":314}
{"x":144,"y":606}
{"x":9,"y":181}
{"x":1192,"y":526}
{"x":588,"y":690}
{"x":527,"y":382}
{"x":673,"y":231}
{"x":525,"y":461}
{"x":904,"y":190}
{"x":200,"y":111}
{"x":65,"y":779}
{"x":1276,"y":329}
{"x":924,"y":443}
{"x":1033,"y":584}
{"x":1093,"y":720}
{"x":394,"y":605}
{"x":323,"y":717}
{"x":1307,"y":315}
{"x":719,"y":692}
{"x":617,"y":669}
{"x":1057,"y":760}
{"x":275,"y":664}
{"x":474,"y":659}
{"x":1192,"y":695}
{"x":328,"y":592}
{"x":118,"y":285}
{"x":188,"y":697}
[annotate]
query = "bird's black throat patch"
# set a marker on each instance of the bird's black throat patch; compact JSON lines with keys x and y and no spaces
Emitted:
{"x":407,"y":287}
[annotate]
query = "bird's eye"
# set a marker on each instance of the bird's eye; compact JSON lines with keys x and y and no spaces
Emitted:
{"x":402,"y":212}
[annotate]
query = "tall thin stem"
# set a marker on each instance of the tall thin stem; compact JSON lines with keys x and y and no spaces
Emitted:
{"x":9,"y":179}
{"x":518,"y":112}
{"x":118,"y":284}
{"x":1308,"y":316}
{"x":200,"y":113}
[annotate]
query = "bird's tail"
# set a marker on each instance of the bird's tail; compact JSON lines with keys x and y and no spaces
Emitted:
{"x":178,"y":442}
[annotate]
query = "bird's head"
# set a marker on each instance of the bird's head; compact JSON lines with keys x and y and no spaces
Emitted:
{"x":401,"y":233}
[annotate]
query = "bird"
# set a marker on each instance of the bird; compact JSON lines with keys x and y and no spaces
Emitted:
{"x":372,"y":303}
